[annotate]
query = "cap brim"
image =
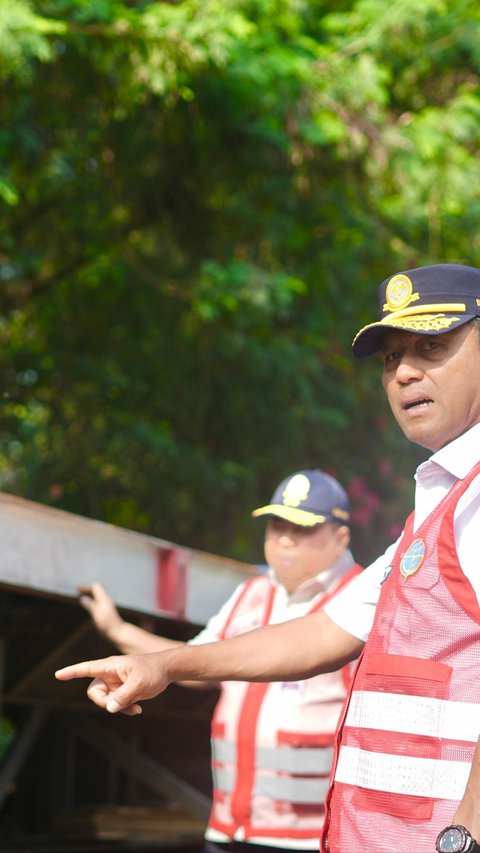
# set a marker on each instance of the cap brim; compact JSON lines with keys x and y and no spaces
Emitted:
{"x":369,"y":339}
{"x":290,"y":513}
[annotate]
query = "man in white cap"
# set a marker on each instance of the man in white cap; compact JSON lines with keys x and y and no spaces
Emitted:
{"x":408,"y":737}
{"x":272,"y":744}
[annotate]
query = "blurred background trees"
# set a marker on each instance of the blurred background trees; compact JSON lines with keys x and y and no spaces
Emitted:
{"x":199,"y":199}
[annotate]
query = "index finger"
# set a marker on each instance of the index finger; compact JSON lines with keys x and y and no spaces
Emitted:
{"x":85,"y":669}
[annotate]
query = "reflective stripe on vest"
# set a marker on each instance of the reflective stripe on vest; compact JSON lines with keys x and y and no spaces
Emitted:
{"x":284,"y":759}
{"x":402,"y":774}
{"x":290,"y":789}
{"x":418,"y":715}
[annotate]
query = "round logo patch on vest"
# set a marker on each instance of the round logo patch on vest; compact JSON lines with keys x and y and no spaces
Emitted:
{"x":413,"y":558}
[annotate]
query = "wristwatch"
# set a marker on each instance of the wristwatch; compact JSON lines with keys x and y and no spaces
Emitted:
{"x":456,"y":839}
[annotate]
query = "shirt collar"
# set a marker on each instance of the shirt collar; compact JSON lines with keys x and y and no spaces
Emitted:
{"x":323,"y":582}
{"x":458,"y":457}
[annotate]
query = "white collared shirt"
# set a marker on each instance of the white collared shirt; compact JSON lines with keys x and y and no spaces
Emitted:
{"x":354,"y":608}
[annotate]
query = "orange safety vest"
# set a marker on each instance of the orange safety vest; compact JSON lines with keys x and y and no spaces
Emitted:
{"x":272,"y":744}
{"x":408,"y":731}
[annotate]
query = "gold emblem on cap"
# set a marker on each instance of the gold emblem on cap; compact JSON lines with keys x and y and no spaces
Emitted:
{"x":296,"y":490}
{"x":399,"y":293}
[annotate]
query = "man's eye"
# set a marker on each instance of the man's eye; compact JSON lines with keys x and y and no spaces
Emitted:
{"x":390,"y":357}
{"x":430,"y":345}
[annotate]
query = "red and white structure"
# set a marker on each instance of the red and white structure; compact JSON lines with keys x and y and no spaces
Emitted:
{"x":64,"y":755}
{"x":50,"y":551}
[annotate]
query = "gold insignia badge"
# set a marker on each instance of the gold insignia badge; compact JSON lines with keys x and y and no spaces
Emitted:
{"x":399,"y":293}
{"x":296,"y":490}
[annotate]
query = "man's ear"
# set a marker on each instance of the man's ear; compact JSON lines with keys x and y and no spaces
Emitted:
{"x":343,"y":535}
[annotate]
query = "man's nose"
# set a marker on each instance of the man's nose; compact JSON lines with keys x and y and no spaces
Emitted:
{"x":408,"y":370}
{"x":286,"y":540}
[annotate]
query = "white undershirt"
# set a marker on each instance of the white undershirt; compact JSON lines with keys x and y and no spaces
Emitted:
{"x":353,"y":608}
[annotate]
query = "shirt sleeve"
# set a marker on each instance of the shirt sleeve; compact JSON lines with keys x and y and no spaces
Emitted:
{"x":353,"y":609}
{"x":215,"y":625}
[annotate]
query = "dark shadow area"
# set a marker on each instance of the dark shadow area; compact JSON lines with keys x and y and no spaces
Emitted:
{"x":75,"y":779}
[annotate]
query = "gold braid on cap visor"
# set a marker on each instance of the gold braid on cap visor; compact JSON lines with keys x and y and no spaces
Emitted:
{"x":302,"y":517}
{"x":420,"y":318}
{"x":289,"y":513}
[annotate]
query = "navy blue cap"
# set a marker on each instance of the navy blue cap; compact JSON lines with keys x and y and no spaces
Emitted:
{"x":307,"y":498}
{"x":428,"y":300}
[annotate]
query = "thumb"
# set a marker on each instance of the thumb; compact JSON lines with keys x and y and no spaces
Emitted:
{"x":123,"y":699}
{"x":86,"y":602}
{"x":113,"y":707}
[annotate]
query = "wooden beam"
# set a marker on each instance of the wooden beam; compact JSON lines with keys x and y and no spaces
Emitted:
{"x":18,"y":752}
{"x":45,"y":668}
{"x":139,"y":766}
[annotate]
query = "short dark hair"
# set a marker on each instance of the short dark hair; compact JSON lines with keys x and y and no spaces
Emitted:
{"x":476,"y":322}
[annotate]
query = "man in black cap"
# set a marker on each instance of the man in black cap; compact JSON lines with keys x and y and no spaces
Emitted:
{"x":407,"y":738}
{"x":272,"y":744}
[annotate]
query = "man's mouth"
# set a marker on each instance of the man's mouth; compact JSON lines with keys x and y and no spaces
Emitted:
{"x":413,"y":404}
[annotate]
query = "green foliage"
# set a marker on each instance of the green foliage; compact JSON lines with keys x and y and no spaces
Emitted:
{"x":24,"y":37}
{"x":199,"y":200}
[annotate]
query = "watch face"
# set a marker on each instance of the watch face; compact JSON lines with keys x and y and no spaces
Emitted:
{"x":452,"y":840}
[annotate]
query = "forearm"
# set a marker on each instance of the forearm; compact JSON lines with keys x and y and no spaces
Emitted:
{"x":125,"y":636}
{"x":290,"y":651}
{"x":131,"y":639}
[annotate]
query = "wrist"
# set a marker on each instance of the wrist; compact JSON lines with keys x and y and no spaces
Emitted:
{"x":176,"y":663}
{"x":183,"y":664}
{"x":115,"y":630}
